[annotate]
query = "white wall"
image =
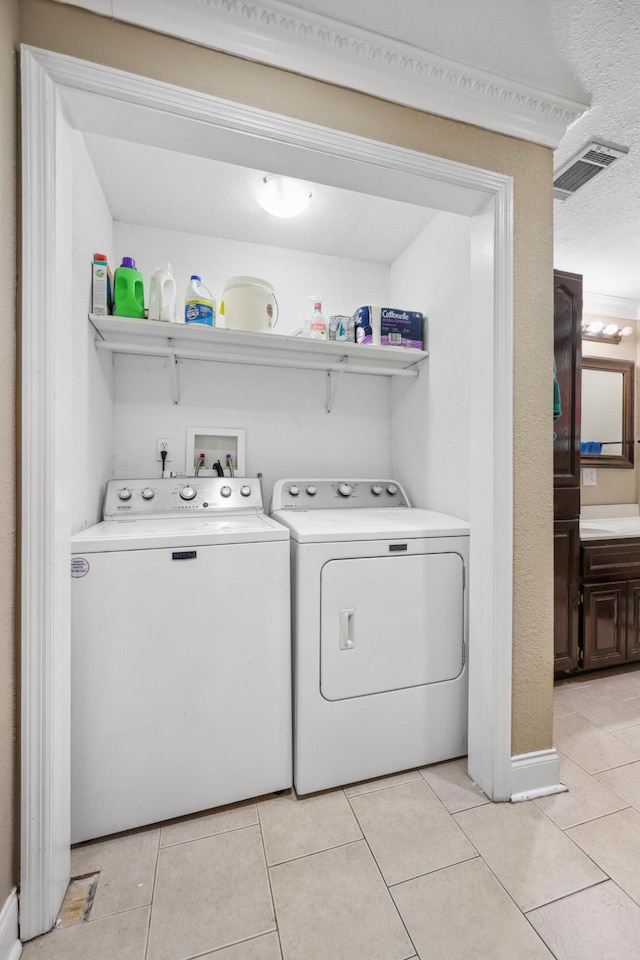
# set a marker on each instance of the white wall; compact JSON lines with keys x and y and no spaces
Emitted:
{"x":343,"y":285}
{"x":416,"y":431}
{"x":92,"y":386}
{"x":288,"y":431}
{"x":283,"y":412}
{"x":430,"y":420}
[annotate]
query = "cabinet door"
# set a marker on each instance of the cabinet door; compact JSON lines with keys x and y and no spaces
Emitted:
{"x":566,"y":552}
{"x":605,"y":624}
{"x":633,"y":620}
{"x":568,"y":352}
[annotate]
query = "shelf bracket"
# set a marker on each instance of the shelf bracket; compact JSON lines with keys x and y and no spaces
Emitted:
{"x":334,"y":379}
{"x":173,"y":372}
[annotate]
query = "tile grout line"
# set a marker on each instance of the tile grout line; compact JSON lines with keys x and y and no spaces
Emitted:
{"x":627,"y":805}
{"x":314,"y":853}
{"x":227,"y":946}
{"x":386,"y":786}
{"x":386,"y":885}
{"x":207,"y":836}
{"x":267,"y":868}
{"x":153,"y":893}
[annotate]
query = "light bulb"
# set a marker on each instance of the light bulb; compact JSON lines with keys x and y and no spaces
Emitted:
{"x":595,"y":326}
{"x":611,"y":330}
{"x":626,"y":331}
{"x":282,"y":196}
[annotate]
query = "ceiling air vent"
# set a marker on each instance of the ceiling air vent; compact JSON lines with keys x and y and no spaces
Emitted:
{"x":591,"y":160}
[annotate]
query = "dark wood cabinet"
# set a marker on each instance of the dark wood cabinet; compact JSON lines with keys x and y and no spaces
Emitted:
{"x":566,"y":548}
{"x":610,"y":572}
{"x":567,"y":325}
{"x":633,"y":620}
{"x":604,"y":633}
{"x":567,"y":349}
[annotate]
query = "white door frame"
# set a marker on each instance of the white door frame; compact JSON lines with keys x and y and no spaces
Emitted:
{"x":58,"y":90}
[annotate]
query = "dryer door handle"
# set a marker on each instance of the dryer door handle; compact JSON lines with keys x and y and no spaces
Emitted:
{"x":347,"y":641}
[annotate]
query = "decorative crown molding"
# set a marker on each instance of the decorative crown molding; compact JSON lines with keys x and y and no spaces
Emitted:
{"x":281,"y":35}
{"x":602,"y":305}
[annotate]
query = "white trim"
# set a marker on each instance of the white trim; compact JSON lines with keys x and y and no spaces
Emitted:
{"x":491,"y":589}
{"x":10,"y":946}
{"x":282,"y":35}
{"x":535,"y":774}
{"x":57,"y":87}
{"x":45,"y":592}
{"x":602,"y":305}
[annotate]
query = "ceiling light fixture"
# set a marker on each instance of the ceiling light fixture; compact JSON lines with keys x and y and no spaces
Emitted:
{"x":283,"y":196}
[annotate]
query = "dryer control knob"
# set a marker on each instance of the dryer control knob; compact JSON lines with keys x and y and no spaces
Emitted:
{"x":312,"y":490}
{"x":294,"y":489}
{"x":345,"y":490}
{"x":124,"y":493}
{"x":188,"y":492}
{"x":376,"y":489}
{"x":225,"y":491}
{"x":148,"y":493}
{"x":392,"y":489}
{"x":245,"y":491}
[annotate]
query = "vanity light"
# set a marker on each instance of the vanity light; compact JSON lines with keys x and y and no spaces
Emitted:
{"x":283,"y":196}
{"x":596,"y":330}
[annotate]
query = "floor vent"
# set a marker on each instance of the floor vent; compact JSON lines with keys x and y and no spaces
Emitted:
{"x":591,"y":160}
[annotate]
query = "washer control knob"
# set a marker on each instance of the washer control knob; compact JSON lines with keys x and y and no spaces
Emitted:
{"x":376,"y":489}
{"x":344,"y":490}
{"x":148,"y":493}
{"x":312,"y":490}
{"x":294,"y":489}
{"x":188,"y":492}
{"x":392,"y":489}
{"x":245,"y":490}
{"x":124,"y":493}
{"x":225,"y":491}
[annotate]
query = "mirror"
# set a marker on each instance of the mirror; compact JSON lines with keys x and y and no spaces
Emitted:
{"x":607,"y":412}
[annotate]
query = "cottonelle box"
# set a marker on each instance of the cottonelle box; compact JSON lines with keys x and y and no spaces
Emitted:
{"x":389,"y":327}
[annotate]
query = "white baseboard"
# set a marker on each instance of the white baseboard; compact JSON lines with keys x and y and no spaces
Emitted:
{"x":10,"y":946}
{"x":535,"y":774}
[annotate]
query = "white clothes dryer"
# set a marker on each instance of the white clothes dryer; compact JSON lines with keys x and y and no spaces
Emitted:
{"x":180,"y":654}
{"x":379,"y":626}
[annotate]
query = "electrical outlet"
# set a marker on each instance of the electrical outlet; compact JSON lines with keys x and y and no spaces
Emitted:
{"x":589,"y":476}
{"x":163,"y":445}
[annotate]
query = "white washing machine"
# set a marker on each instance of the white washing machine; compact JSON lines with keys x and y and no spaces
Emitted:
{"x":380,"y":623}
{"x":180,"y":662}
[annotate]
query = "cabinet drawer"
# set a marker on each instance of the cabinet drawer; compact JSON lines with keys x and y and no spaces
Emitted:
{"x":610,"y":558}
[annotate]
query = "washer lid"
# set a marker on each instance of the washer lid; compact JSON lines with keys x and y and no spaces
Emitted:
{"x":155,"y":534}
{"x":333,"y":526}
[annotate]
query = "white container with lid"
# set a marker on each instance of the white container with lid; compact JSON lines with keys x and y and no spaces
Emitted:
{"x":249,"y":303}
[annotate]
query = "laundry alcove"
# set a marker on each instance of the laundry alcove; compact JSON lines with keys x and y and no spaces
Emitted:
{"x":88,"y":416}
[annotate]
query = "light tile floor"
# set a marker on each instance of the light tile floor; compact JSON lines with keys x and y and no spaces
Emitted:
{"x":415,"y":865}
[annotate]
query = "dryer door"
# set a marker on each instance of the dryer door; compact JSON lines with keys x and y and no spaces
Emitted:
{"x":388,"y":623}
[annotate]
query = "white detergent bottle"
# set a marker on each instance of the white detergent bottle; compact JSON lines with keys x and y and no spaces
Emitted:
{"x":162,"y":295}
{"x":199,"y":303}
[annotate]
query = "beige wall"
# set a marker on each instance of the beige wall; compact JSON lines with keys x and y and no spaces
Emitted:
{"x":612,"y":485}
{"x":8,"y":820}
{"x":76,"y":32}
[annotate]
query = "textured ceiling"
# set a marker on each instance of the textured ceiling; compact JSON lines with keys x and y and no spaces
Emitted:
{"x":160,"y":188}
{"x":587,"y":50}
